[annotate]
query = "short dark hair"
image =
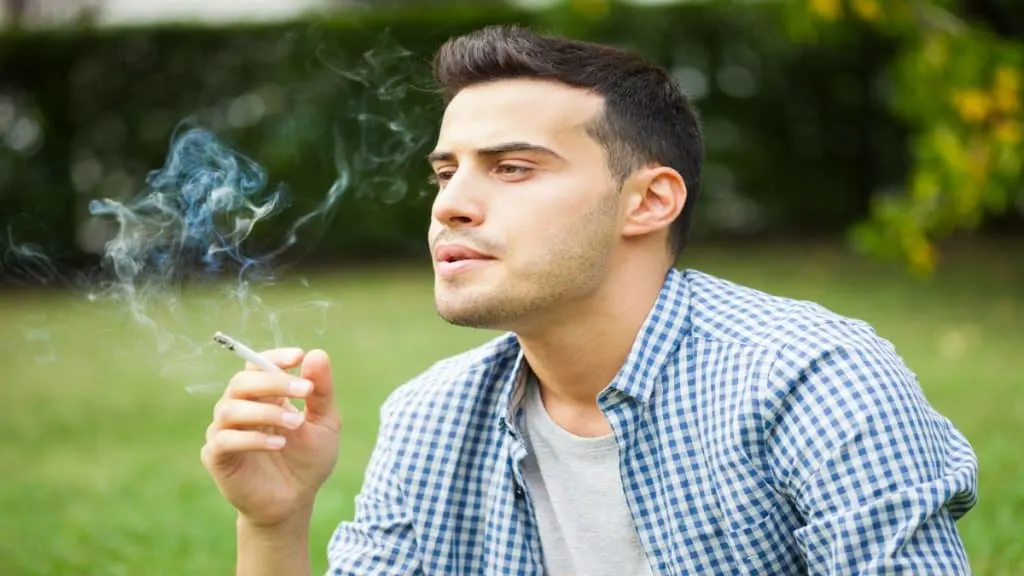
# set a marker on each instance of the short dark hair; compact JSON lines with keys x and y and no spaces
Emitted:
{"x":646,"y":116}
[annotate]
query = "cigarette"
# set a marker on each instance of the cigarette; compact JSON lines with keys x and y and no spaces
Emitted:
{"x":245,"y":352}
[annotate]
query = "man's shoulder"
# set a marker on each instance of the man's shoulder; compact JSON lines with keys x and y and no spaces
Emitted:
{"x":809,"y":351}
{"x":726,"y":311}
{"x":449,"y":386}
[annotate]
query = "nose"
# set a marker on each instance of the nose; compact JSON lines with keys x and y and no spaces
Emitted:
{"x":456,"y":206}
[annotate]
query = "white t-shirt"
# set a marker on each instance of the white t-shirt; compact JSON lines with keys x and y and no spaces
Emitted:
{"x":576,"y":490}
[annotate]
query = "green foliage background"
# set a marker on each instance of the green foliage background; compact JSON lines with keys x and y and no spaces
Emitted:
{"x":956,"y":81}
{"x":821,"y":117}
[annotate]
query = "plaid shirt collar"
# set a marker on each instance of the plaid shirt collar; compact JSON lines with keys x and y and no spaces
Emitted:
{"x":657,"y":340}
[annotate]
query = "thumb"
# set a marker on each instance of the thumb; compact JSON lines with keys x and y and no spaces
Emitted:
{"x":316,"y":367}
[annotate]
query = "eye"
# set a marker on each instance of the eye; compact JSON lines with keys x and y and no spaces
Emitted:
{"x":441,"y":176}
{"x":513,"y":170}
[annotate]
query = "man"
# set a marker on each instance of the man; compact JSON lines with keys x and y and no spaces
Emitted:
{"x":636,"y":419}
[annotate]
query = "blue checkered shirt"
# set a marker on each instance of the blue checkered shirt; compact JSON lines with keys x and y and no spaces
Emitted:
{"x":757,"y":434}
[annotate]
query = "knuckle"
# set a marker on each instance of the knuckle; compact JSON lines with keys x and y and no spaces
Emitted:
{"x":223,"y":440}
{"x":224,"y":412}
{"x":239,"y":381}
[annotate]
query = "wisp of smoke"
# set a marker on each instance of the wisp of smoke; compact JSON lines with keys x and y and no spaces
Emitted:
{"x":26,"y":260}
{"x":191,"y":221}
{"x":194,"y":219}
{"x":189,"y":226}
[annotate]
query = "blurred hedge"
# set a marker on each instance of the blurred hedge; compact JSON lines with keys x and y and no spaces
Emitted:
{"x":799,"y":137}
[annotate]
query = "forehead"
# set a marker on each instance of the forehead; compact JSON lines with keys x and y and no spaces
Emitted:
{"x":521,"y":110}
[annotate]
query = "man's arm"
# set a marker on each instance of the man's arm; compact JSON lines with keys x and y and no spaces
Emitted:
{"x":879,"y":476}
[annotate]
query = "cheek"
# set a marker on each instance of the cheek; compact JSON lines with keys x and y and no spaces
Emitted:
{"x":560,"y":222}
{"x":558,"y":197}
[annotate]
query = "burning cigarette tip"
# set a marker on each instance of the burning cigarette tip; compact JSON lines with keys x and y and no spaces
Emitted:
{"x":224,"y":340}
{"x":245,"y":352}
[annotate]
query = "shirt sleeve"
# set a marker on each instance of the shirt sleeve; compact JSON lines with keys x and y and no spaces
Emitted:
{"x":879,"y":476}
{"x":379,"y":540}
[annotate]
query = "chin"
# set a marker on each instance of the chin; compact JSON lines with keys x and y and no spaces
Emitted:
{"x":466,"y":318}
{"x":472,"y":312}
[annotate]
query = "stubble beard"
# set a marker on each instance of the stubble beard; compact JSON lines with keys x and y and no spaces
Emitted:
{"x":572,"y":270}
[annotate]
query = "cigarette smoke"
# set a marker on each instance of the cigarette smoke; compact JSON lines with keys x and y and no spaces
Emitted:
{"x":196,"y":222}
{"x":190,"y":223}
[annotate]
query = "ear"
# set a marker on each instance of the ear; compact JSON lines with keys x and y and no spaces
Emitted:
{"x":656,"y":197}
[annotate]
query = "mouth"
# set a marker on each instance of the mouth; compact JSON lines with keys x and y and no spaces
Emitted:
{"x":449,"y":253}
{"x":453,"y":258}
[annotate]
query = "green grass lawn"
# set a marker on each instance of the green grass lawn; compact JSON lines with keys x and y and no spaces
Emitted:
{"x":99,"y":462}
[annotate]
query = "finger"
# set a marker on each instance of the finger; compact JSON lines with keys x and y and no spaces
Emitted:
{"x":226,"y":443}
{"x":255,"y":384}
{"x":316,"y":368}
{"x":248,"y":414}
{"x":284,"y":358}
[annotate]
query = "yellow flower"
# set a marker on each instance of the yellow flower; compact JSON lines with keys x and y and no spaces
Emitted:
{"x":826,"y":9}
{"x":869,"y":10}
{"x":973,"y":105}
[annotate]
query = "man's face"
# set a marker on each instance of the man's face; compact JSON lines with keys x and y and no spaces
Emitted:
{"x":522,"y":184}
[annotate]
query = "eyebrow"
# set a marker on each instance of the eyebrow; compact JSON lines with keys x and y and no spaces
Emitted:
{"x":498,"y":149}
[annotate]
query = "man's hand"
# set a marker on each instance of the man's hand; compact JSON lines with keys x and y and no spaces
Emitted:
{"x":267,"y":457}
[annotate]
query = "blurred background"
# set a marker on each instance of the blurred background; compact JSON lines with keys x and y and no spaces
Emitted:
{"x":168,"y":169}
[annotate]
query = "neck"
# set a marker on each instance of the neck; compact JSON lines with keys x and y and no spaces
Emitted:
{"x":582,"y":347}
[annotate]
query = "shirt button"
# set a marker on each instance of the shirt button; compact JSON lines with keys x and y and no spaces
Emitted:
{"x":519,"y":491}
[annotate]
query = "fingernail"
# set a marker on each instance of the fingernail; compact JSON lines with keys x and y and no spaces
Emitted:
{"x":292,"y":419}
{"x":300,"y":387}
{"x":275,"y":441}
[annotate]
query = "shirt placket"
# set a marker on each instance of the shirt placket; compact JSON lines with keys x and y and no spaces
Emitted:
{"x":524,"y":516}
{"x":627,"y":419}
